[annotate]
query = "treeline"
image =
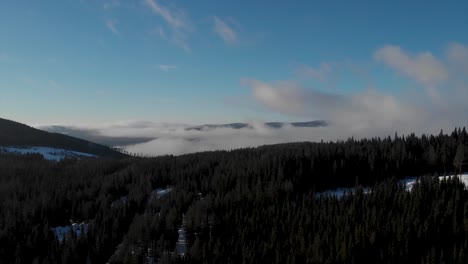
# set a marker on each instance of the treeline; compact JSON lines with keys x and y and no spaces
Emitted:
{"x":250,"y":205}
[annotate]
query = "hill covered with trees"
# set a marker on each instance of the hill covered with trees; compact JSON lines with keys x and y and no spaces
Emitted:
{"x":15,"y":134}
{"x":254,"y":205}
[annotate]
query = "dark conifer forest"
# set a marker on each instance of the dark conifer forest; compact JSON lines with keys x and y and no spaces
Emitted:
{"x":255,"y":205}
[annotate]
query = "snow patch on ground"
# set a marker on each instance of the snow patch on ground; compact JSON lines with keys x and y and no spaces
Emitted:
{"x":160,"y":192}
{"x":463,"y":178}
{"x":409,"y":182}
{"x":78,"y":229}
{"x":53,"y":154}
{"x":181,"y":245}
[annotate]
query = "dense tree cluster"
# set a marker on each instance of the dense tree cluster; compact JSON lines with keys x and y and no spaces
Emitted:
{"x":243,"y":206}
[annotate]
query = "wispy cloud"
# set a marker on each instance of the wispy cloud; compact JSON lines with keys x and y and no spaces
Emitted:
{"x":166,"y":68}
{"x":224,"y":30}
{"x":322,"y":72}
{"x":111,"y":25}
{"x":176,"y":18}
{"x":111,"y":4}
{"x":162,"y":33}
{"x":177,"y":21}
{"x":53,"y":84}
{"x":431,"y":72}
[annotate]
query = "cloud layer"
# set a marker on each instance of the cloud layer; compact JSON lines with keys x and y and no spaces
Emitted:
{"x":176,"y":139}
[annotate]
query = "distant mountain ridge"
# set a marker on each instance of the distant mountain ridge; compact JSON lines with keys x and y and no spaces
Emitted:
{"x":316,"y":123}
{"x":15,"y":134}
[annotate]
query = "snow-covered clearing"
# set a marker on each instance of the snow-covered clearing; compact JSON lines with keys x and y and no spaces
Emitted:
{"x":408,"y":183}
{"x":53,"y":154}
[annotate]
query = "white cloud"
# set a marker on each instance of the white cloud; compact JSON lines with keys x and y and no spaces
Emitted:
{"x":111,"y":25}
{"x":177,"y":21}
{"x":288,"y":97}
{"x":162,"y":33}
{"x":166,"y":68}
{"x":373,"y":113}
{"x":224,"y":30}
{"x":422,"y":67}
{"x":284,"y":98}
{"x":364,"y":113}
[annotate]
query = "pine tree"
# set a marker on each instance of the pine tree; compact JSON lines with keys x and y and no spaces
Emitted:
{"x":459,"y":158}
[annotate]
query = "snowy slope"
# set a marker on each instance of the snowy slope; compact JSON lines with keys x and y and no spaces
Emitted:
{"x":54,"y":154}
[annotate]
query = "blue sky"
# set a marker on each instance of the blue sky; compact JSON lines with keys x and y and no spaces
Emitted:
{"x":93,"y":61}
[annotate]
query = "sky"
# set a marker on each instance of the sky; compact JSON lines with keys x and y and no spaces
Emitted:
{"x":361,"y":65}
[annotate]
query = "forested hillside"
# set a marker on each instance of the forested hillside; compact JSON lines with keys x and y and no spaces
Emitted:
{"x":18,"y":135}
{"x":243,"y":206}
